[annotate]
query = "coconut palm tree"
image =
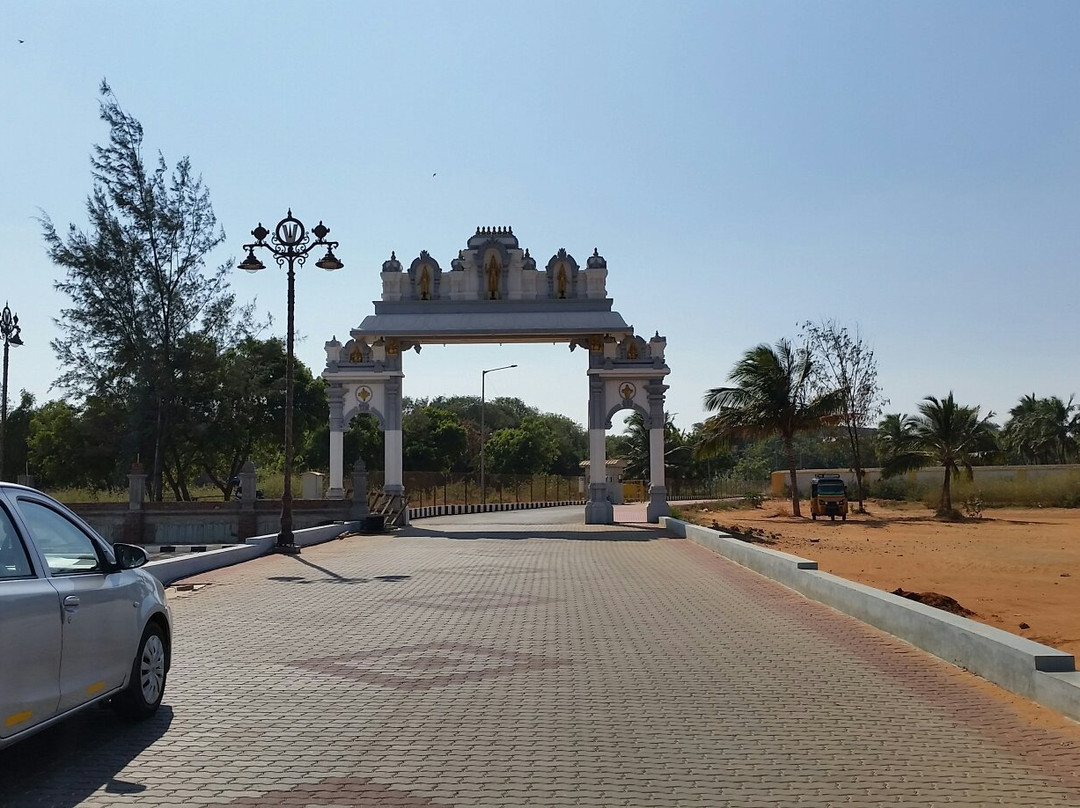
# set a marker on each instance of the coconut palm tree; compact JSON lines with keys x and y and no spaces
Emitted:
{"x":893,"y":435}
{"x":944,"y":434}
{"x":1043,"y":430}
{"x":771,"y":396}
{"x":635,"y":450}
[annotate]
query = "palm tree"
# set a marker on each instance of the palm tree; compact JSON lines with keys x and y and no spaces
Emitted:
{"x":944,"y":434}
{"x":893,"y":434}
{"x":771,"y":397}
{"x":1023,"y":434}
{"x":1043,"y":430}
{"x":636,"y":451}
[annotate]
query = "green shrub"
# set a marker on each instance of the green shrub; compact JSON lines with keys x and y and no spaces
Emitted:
{"x":894,"y":488}
{"x":753,"y":500}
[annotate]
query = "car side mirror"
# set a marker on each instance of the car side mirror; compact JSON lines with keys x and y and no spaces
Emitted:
{"x":130,"y":556}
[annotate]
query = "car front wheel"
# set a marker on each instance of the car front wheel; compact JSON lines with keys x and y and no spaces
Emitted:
{"x":141,"y":697}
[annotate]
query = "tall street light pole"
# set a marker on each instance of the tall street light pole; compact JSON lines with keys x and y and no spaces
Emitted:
{"x":483,"y":434}
{"x":9,"y":328}
{"x":290,"y":244}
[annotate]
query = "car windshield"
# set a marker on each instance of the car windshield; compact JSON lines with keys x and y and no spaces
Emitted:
{"x":830,"y":488}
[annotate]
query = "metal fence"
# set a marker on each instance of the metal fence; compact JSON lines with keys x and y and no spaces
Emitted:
{"x":425,"y":488}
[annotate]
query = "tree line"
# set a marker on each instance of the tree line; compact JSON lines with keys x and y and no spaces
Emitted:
{"x":829,"y":382}
{"x":164,"y":368}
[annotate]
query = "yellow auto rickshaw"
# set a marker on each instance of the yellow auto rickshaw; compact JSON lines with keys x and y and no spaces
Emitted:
{"x":828,"y":497}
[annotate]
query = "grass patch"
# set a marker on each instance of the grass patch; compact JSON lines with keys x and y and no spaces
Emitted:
{"x":971,"y":496}
{"x":1050,"y":492}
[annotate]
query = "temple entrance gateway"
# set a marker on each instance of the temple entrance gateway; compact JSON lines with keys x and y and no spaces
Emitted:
{"x":494,"y":292}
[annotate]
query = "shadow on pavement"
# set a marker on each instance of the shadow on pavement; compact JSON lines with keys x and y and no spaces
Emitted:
{"x":65,"y":764}
{"x":332,"y":577}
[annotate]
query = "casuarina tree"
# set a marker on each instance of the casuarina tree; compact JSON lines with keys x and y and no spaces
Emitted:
{"x":138,"y":281}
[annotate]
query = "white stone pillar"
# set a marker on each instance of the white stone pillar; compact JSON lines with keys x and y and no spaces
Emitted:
{"x":598,"y":509}
{"x":597,"y":456}
{"x":656,"y":458}
{"x":336,"y":398}
{"x":393,"y":480}
{"x":337,"y":464}
{"x":658,"y":504}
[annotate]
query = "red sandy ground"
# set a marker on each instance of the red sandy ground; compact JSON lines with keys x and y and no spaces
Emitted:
{"x":1012,"y":566}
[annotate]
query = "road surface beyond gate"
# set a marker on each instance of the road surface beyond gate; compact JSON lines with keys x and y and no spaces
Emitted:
{"x":505,"y":663}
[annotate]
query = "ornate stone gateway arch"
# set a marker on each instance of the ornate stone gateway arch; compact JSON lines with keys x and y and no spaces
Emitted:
{"x":495,"y":292}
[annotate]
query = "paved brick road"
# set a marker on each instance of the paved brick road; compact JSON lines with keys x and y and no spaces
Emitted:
{"x":448,"y":669}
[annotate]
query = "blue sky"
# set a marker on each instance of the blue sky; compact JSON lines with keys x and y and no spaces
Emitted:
{"x":912,"y":169}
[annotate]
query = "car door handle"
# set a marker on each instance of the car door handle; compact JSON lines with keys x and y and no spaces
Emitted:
{"x":71,"y":603}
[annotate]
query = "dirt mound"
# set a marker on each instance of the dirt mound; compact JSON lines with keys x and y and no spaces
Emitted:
{"x":937,"y":600}
{"x":753,"y":535}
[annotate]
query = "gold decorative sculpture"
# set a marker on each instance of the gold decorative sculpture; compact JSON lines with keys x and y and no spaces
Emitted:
{"x":425,"y":283}
{"x":493,"y":279}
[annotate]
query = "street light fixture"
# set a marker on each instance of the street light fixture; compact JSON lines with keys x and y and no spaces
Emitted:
{"x":290,"y":244}
{"x":483,"y":436}
{"x":10,"y":329}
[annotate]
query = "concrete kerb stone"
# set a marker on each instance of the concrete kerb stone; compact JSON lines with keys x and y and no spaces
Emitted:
{"x":170,"y":570}
{"x":1037,"y":672}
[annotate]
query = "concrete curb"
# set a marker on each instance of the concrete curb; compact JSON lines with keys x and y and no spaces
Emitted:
{"x":1037,"y":672}
{"x":170,"y":570}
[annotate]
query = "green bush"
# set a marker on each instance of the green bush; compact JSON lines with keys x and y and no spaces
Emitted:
{"x":895,"y":488}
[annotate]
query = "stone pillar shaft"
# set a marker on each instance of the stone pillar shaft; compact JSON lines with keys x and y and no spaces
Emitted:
{"x":597,"y":456}
{"x":337,"y":462}
{"x":394,"y":478}
{"x":656,"y":457}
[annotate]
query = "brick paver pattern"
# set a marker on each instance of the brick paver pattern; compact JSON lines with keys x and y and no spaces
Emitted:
{"x":447,"y":669}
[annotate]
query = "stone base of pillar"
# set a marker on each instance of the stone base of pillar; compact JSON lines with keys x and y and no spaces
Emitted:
{"x":247,"y":524}
{"x":335,"y":493}
{"x":397,"y":494}
{"x":134,"y":527}
{"x":598,"y":510}
{"x":658,"y":504}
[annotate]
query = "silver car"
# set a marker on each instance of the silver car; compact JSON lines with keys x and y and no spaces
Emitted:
{"x":79,"y":624}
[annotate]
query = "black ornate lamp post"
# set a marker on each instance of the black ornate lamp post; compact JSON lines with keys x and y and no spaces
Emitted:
{"x":9,"y":328}
{"x":290,"y":244}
